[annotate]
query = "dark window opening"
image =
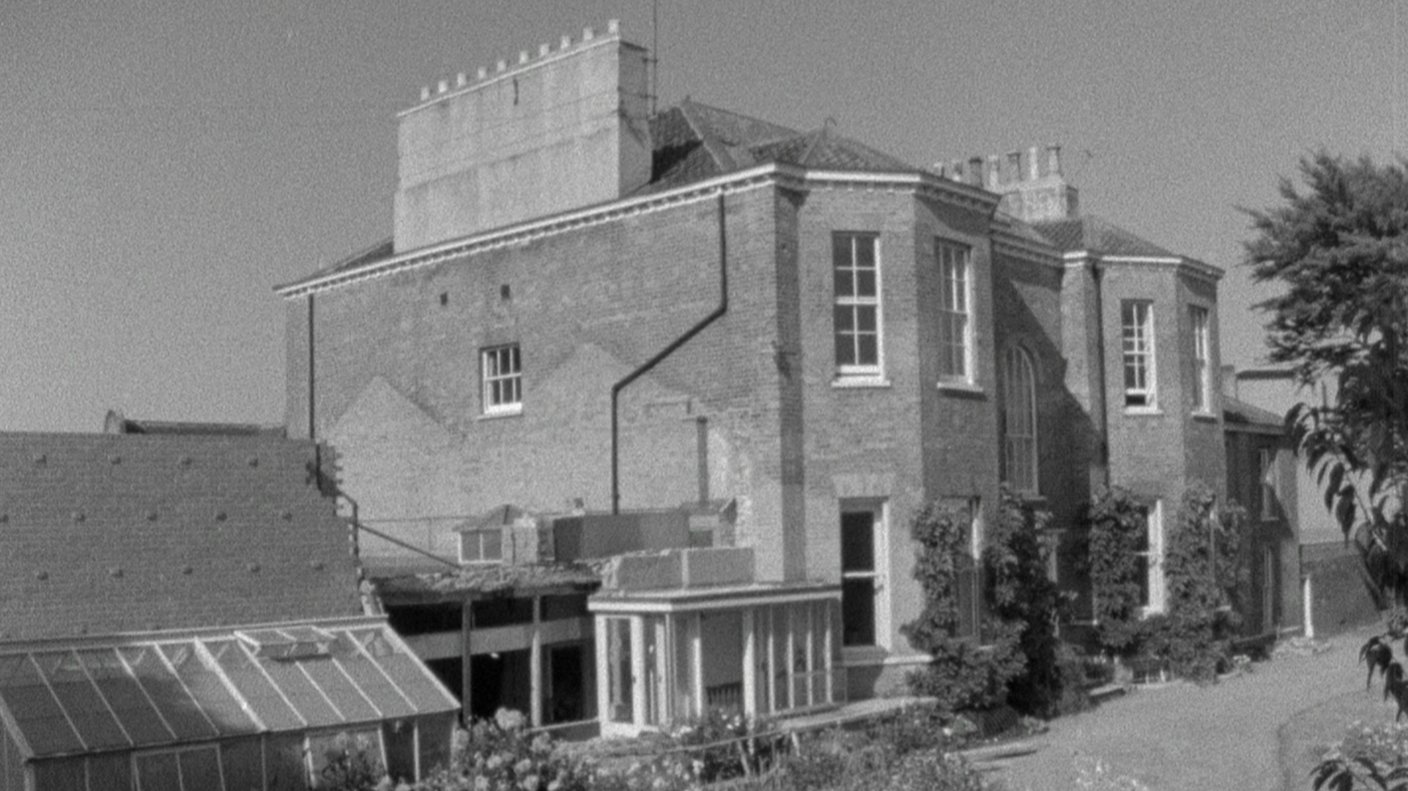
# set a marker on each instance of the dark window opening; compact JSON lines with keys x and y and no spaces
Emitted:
{"x":409,"y":619}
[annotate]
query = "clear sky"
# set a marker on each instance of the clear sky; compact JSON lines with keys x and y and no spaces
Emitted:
{"x":165,"y":163}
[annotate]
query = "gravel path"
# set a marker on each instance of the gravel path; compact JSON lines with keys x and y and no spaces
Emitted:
{"x":1232,"y":735}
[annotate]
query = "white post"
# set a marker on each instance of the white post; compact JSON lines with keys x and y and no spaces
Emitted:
{"x":826,"y":646}
{"x":791,"y":656}
{"x":603,"y":671}
{"x":1307,"y":593}
{"x":696,"y":663}
{"x":750,"y":666}
{"x":535,"y":666}
{"x":638,"y":695}
{"x":772,"y":662}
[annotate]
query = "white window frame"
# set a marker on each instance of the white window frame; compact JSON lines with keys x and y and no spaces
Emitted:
{"x":478,"y":537}
{"x":1200,"y":318}
{"x":878,"y":574}
{"x":1020,"y":468}
{"x":1138,"y":354}
{"x":955,"y":268}
{"x":854,"y":303}
{"x":492,"y":361}
{"x":1267,"y":483}
{"x":1154,"y":560}
{"x":177,"y":751}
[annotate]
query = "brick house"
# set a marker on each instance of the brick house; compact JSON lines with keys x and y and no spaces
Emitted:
{"x":179,"y":610}
{"x":588,"y":308}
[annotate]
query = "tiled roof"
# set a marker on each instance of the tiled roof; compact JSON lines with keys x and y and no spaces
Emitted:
{"x":116,"y":533}
{"x":1237,"y":411}
{"x":1098,"y":236}
{"x":824,"y":150}
{"x":383,"y":249}
{"x":694,"y":141}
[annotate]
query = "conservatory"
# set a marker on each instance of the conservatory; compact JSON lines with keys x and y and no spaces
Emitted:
{"x":230,"y":708}
{"x":682,"y":632}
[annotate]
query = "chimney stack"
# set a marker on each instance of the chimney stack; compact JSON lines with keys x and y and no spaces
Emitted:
{"x":555,"y":131}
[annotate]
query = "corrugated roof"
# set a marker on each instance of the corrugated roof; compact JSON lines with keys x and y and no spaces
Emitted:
{"x":490,"y":579}
{"x":112,"y":533}
{"x":143,"y":693}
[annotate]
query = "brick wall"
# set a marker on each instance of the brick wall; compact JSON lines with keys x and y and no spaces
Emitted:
{"x":398,"y":381}
{"x":103,"y":533}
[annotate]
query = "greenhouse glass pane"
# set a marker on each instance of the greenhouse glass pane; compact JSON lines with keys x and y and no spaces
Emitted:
{"x":63,"y":774}
{"x":158,"y":772}
{"x":110,"y":772}
{"x":80,"y":699}
{"x":406,"y":672}
{"x":209,"y":691}
{"x":301,"y":692}
{"x":176,"y":705}
{"x":262,"y":697}
{"x":36,"y":712}
{"x":125,"y":697}
{"x":200,"y":769}
{"x":383,"y":694}
{"x":339,"y":690}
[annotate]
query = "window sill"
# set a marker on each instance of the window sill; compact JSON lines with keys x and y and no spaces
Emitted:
{"x":1208,"y":417}
{"x":961,"y":388}
{"x":1143,"y":411}
{"x":849,"y":382}
{"x":863,"y":655}
{"x":498,"y":413}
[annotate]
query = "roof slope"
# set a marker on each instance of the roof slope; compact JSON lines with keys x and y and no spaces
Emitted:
{"x":1099,"y":236}
{"x":115,"y":533}
{"x":178,"y":689}
{"x":1240,"y":412}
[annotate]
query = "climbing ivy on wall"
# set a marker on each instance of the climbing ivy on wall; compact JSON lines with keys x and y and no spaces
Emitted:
{"x":1203,"y":569}
{"x":1013,"y":658}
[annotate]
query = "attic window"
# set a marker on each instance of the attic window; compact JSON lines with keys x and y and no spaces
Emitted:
{"x":299,"y":642}
{"x":482,"y":546}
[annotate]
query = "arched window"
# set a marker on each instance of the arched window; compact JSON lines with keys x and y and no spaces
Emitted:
{"x":1019,"y":451}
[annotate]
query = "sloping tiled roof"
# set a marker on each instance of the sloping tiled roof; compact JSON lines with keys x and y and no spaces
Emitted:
{"x":115,"y":533}
{"x":694,"y":141}
{"x":1240,"y":412}
{"x":1098,"y":236}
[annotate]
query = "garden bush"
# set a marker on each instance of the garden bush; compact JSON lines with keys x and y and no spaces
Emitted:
{"x":1014,"y":658}
{"x":1203,"y":570}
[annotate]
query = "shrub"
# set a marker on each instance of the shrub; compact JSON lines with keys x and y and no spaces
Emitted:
{"x":1016,"y":658}
{"x":1203,"y":569}
{"x":1368,"y":757}
{"x":500,"y":754}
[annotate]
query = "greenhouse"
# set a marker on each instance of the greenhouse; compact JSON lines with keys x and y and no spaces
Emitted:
{"x":228,"y":708}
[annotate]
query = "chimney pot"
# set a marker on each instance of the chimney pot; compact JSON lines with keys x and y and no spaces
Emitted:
{"x":992,"y":173}
{"x":1053,"y":160}
{"x":613,"y":27}
{"x":544,"y":49}
{"x":460,"y":80}
{"x":565,"y":42}
{"x":523,"y":56}
{"x":501,"y":65}
{"x":481,"y":73}
{"x":588,"y":34}
{"x":424,"y":92}
{"x":442,"y":86}
{"x":1033,"y":164}
{"x":975,"y":171}
{"x":1012,"y":173}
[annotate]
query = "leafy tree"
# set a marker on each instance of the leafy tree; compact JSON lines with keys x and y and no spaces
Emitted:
{"x":1340,"y":249}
